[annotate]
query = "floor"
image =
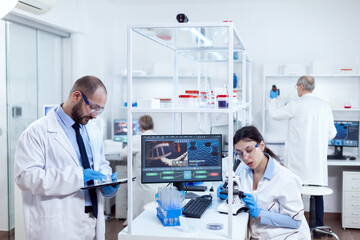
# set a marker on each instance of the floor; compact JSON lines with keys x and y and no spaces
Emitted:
{"x":113,"y":227}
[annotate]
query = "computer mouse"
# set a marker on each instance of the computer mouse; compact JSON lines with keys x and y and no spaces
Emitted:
{"x":352,"y":158}
{"x":211,"y":189}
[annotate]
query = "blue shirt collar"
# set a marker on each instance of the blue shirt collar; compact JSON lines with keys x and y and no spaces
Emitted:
{"x":269,"y":171}
{"x":66,"y":119}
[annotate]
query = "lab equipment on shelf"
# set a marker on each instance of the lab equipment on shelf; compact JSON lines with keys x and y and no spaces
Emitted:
{"x":274,"y":92}
{"x":202,"y":100}
{"x":166,"y":103}
{"x":223,"y":101}
{"x":185,"y":101}
{"x":148,"y":103}
{"x":235,"y":98}
{"x":211,"y":99}
{"x":194,"y":97}
{"x":197,"y":206}
{"x":234,"y":81}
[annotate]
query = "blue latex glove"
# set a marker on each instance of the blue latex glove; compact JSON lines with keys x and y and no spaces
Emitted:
{"x":254,"y":211}
{"x":221,"y":196}
{"x":110,"y":190}
{"x":90,"y":174}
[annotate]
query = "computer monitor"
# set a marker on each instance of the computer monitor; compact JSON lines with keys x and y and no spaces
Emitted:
{"x":347,"y":136}
{"x":120,"y":129}
{"x":181,"y":158}
{"x":224,"y":131}
{"x":47,"y":108}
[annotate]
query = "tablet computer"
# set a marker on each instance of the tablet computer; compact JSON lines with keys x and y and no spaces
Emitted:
{"x":106,"y":183}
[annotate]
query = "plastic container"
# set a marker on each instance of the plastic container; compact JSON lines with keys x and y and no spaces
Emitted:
{"x":202,"y":99}
{"x":223,"y":101}
{"x":211,"y":99}
{"x":194,"y":96}
{"x":185,"y":101}
{"x":235,"y":81}
{"x":192,"y":92}
{"x":235,"y":99}
{"x":148,"y":103}
{"x":166,"y":103}
{"x":168,"y":218}
{"x":195,"y":101}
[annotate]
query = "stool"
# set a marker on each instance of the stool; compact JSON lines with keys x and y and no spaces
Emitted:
{"x":317,"y":191}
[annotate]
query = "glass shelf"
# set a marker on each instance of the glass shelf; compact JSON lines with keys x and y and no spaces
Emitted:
{"x":192,"y":110}
{"x":199,"y":42}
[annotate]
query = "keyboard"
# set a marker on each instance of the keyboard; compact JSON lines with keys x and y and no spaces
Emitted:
{"x":195,"y":188}
{"x":197,"y":206}
{"x":333,"y":157}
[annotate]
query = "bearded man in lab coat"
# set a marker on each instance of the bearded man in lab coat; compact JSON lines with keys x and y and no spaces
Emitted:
{"x":56,"y":156}
{"x":311,"y":126}
{"x":143,"y":193}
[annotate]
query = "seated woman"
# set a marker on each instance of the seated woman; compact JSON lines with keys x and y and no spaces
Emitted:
{"x":272,"y":192}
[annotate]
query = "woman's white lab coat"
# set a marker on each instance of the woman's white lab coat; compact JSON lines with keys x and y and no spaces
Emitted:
{"x":311,"y":126}
{"x":277,"y":191}
{"x":48,"y":173}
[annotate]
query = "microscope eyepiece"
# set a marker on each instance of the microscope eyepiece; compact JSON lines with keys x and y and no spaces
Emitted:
{"x":241,"y":194}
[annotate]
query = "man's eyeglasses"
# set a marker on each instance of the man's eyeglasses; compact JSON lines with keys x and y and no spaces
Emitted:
{"x":249,"y":151}
{"x":94,"y":108}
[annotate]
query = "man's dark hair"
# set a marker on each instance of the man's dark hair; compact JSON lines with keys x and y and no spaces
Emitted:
{"x":87,"y":85}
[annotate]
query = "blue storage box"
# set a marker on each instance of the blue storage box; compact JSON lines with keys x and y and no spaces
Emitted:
{"x":168,"y":217}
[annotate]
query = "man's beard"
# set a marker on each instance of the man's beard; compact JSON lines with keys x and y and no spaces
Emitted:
{"x":76,"y":114}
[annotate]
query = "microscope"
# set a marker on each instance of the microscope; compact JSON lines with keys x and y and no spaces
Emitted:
{"x":238,"y":204}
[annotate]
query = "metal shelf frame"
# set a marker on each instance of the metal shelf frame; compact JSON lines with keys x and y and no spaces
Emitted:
{"x":231,"y":44}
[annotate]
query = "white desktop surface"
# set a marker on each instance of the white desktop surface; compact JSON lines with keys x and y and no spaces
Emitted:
{"x":346,"y":162}
{"x":148,"y":226}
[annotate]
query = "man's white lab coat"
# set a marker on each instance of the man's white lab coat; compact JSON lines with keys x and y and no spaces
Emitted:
{"x":311,"y":126}
{"x":48,"y":173}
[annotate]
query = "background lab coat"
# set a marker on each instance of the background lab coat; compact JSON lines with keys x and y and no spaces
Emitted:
{"x":311,"y":126}
{"x":48,"y":173}
{"x":142,"y":193}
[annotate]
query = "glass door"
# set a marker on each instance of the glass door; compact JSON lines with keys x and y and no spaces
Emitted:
{"x":22,"y":101}
{"x":34,"y":78}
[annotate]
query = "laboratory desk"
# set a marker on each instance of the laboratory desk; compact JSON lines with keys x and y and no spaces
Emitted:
{"x":347,"y":162}
{"x":148,"y":226}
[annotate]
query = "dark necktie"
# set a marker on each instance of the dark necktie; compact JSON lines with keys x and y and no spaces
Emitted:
{"x":86,"y":164}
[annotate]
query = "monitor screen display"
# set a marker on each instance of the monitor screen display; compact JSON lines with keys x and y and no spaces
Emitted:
{"x":347,"y":134}
{"x":47,"y":108}
{"x":121,"y":129}
{"x":180,"y":158}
